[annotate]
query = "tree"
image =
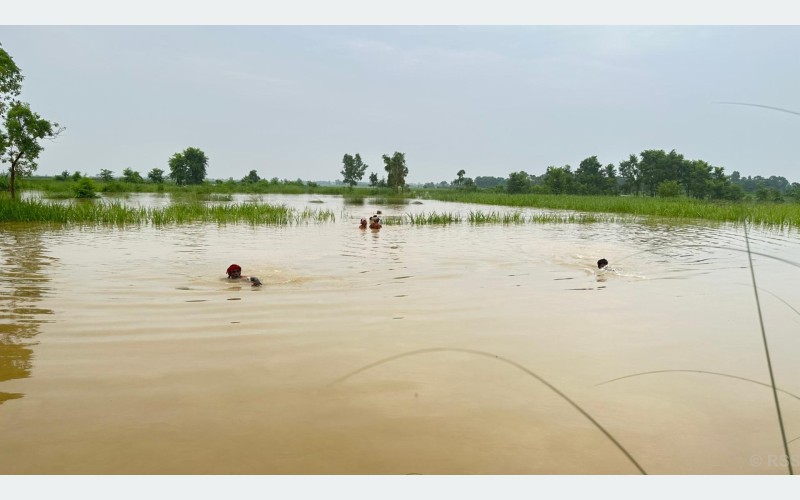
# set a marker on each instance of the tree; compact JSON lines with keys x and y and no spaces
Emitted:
{"x":518,"y":182}
{"x":21,"y":130}
{"x":459,"y":177}
{"x":373,"y":179}
{"x":630,"y":172}
{"x":353,"y":170}
{"x":559,"y":180}
{"x":252,"y":177}
{"x":396,"y":169}
{"x":489,"y":182}
{"x":106,"y":175}
{"x":20,"y":144}
{"x":188,"y":167}
{"x":591,"y":177}
{"x":129,"y":175}
{"x":10,"y":82}
{"x":76,"y":176}
{"x":156,"y":176}
{"x":669,"y":189}
{"x":656,"y":167}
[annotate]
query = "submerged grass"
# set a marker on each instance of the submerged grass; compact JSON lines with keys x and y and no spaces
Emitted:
{"x":770,"y":214}
{"x":119,"y":214}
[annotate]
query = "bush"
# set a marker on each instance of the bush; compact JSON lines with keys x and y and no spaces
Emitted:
{"x":85,"y":189}
{"x":669,"y":189}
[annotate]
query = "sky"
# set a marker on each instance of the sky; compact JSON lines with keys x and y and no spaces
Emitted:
{"x":289,"y":101}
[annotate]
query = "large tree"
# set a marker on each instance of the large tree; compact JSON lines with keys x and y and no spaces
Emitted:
{"x":354,"y":169}
{"x":156,"y":176}
{"x":20,"y":143}
{"x":396,"y":170}
{"x":21,"y":130}
{"x":10,"y":81}
{"x":188,"y":167}
{"x":518,"y":182}
{"x":631,"y":174}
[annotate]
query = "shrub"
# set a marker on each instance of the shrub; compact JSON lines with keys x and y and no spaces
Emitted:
{"x":85,"y":189}
{"x":669,"y":189}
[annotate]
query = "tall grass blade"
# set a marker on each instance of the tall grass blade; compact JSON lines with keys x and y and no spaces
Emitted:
{"x":766,"y":352}
{"x":507,"y":361}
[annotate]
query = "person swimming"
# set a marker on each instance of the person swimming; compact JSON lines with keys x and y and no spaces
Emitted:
{"x":375,"y":222}
{"x":363,"y":223}
{"x":602,"y":264}
{"x":234,"y":272}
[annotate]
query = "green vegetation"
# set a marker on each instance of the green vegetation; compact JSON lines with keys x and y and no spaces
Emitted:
{"x":353,"y":170}
{"x":396,"y":169}
{"x":188,"y":167}
{"x":773,"y":214}
{"x":21,"y":130}
{"x":117,"y":213}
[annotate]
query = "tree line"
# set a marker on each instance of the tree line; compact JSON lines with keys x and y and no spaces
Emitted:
{"x":652,"y":173}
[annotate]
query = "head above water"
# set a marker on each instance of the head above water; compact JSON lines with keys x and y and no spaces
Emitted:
{"x":602,"y":263}
{"x":234,"y":271}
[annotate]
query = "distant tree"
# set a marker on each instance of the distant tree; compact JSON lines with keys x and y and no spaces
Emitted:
{"x":62,"y":176}
{"x":489,"y":182}
{"x":76,"y":176}
{"x":793,"y":191}
{"x":156,"y":176}
{"x":669,"y":189}
{"x":656,"y":167}
{"x":518,"y":182}
{"x":610,"y":175}
{"x":129,"y":175}
{"x":20,"y":142}
{"x":353,"y":170}
{"x":106,"y":175}
{"x":629,"y":171}
{"x":251,"y":178}
{"x":559,"y":180}
{"x":590,"y":177}
{"x":373,"y":179}
{"x":188,"y":167}
{"x":396,"y":169}
{"x":459,"y":178}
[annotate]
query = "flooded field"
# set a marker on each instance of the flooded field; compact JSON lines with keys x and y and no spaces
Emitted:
{"x":435,"y":349}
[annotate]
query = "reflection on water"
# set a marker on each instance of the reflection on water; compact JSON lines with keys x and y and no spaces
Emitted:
{"x":153,"y":362}
{"x":23,"y":282}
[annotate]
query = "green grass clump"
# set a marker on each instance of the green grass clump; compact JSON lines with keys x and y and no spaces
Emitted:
{"x":434,"y":218}
{"x":86,"y":212}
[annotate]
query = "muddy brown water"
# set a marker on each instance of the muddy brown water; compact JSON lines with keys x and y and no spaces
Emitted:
{"x":415,"y":349}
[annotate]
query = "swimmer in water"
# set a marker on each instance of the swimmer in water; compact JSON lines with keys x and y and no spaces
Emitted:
{"x":234,"y":272}
{"x":602,"y":264}
{"x":363,"y":223}
{"x":375,"y":222}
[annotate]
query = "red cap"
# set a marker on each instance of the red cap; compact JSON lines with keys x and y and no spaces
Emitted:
{"x":233,"y":267}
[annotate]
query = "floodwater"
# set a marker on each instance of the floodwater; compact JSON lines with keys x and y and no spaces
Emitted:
{"x":457,"y":349}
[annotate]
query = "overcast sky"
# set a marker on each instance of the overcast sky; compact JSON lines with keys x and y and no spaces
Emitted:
{"x":290,"y":101}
